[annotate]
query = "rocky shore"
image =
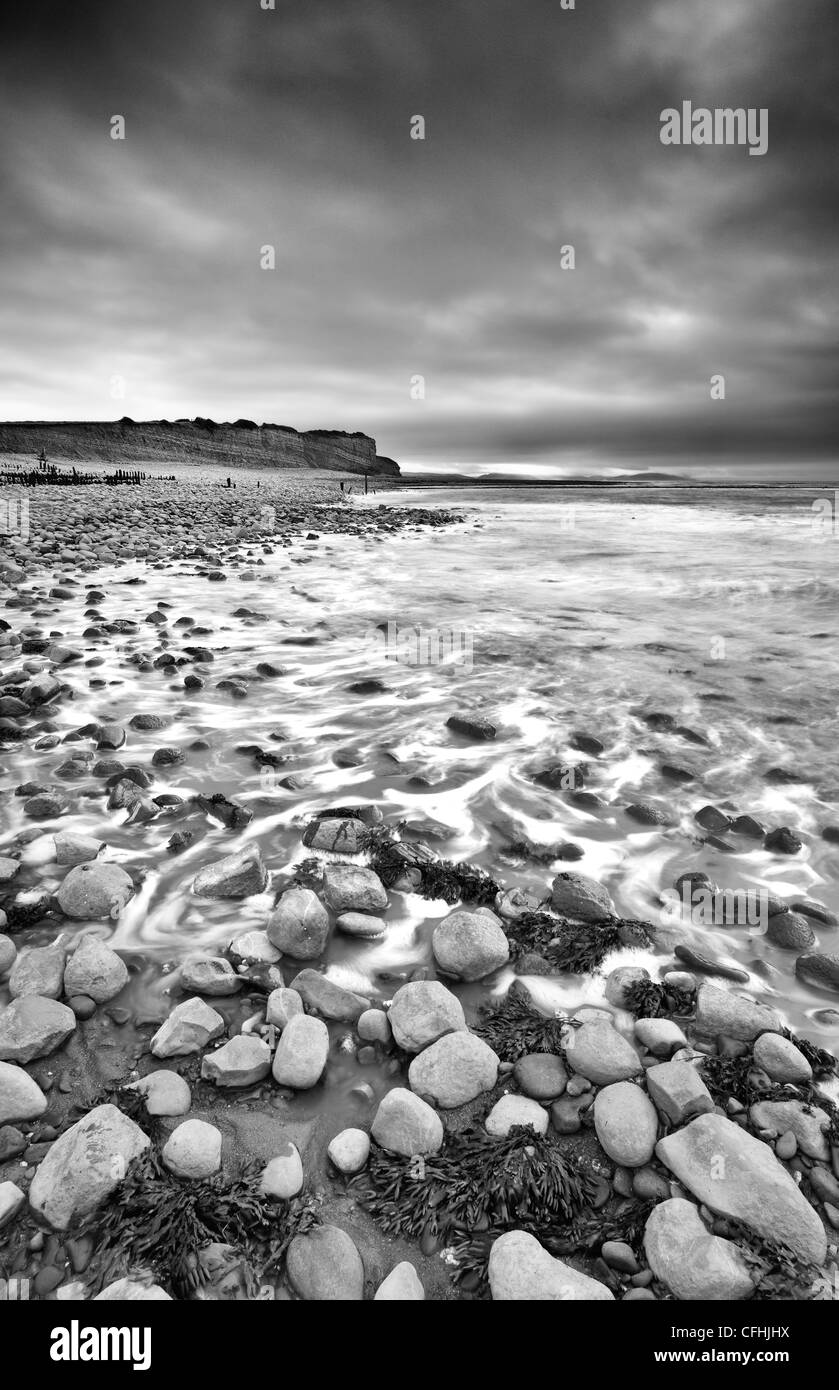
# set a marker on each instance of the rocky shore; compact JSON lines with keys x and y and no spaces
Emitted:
{"x":267,"y":1118}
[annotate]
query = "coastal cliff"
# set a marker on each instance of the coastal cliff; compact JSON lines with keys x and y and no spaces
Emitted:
{"x":242,"y":443}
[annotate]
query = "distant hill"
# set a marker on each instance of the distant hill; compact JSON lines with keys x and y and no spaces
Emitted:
{"x":242,"y":443}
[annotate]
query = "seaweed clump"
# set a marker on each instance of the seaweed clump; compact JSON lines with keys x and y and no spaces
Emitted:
{"x":576,"y":948}
{"x":648,"y":999}
{"x":429,"y":876}
{"x":154,"y":1221}
{"x":472,"y":1191}
{"x":513,"y":1027}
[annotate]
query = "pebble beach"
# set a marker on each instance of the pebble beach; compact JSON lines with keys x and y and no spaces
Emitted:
{"x":329,"y":975}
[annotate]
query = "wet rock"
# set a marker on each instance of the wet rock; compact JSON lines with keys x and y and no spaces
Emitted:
{"x":540,"y":1075}
{"x":189,"y":1028}
{"x":454,"y":1070}
{"x":718,"y":1011}
{"x":348,"y":888}
{"x":210,"y":975}
{"x":336,"y":836}
{"x":402,"y":1285}
{"x":33,"y":1027}
{"x":360,"y":925}
{"x":301,"y":1054}
{"x":781,"y":1059}
{"x":235,"y":876}
{"x":521,"y":1270}
{"x":470,"y":945}
{"x":21,"y":1098}
{"x":299,"y":925}
{"x":817,"y":912}
{"x":708,"y":965}
{"x":323,"y":996}
{"x":747,"y":826}
{"x":11,"y":1202}
{"x":598,"y":1052}
{"x":820,"y":970}
{"x":72,"y":849}
{"x":349,"y":1151}
{"x":282,"y":1004}
{"x":738,"y":1177}
{"x":712,"y":819}
{"x":241,"y":1062}
{"x":405,"y":1124}
{"x":791,"y":931}
{"x":39,"y":970}
{"x":661,"y":1036}
{"x":809,"y":1124}
{"x":254,"y":948}
{"x":95,"y":970}
{"x":45,"y":805}
{"x":422,"y":1012}
{"x":580,"y":898}
{"x":648,"y":814}
{"x":95,"y":892}
{"x":325,"y":1266}
{"x":783,"y":841}
{"x":164,"y":1092}
{"x":511,"y":1111}
{"x":618,"y":981}
{"x":148,"y":723}
{"x":110,"y":736}
{"x":472,"y":726}
{"x":693,"y":1263}
{"x":84,"y":1165}
{"x":193,"y":1150}
{"x":282,"y":1176}
{"x":678,"y":1091}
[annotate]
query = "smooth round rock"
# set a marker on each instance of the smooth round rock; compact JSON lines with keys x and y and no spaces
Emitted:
{"x":454,"y":1070}
{"x":781,"y":1059}
{"x":540,"y":1075}
{"x":510,"y":1111}
{"x":282,"y":1176}
{"x":405,"y":1124}
{"x":626,"y":1123}
{"x":402,"y":1285}
{"x":349,"y":1150}
{"x":164,"y":1092}
{"x":96,"y":970}
{"x":193,"y":1150}
{"x":422,"y":1012}
{"x":470,"y":945}
{"x":324,"y":1266}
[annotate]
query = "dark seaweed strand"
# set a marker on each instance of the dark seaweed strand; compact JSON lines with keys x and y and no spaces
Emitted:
{"x":440,"y":878}
{"x":648,"y":999}
{"x":154,"y":1221}
{"x":513,"y":1028}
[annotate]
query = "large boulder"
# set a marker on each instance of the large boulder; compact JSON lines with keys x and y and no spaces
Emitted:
{"x":324,"y":1266}
{"x":349,"y":888}
{"x":96,"y":970}
{"x":33,"y":1027}
{"x":626,"y":1124}
{"x":470,"y":945}
{"x":521,"y":1270}
{"x":84,"y":1166}
{"x":21,"y":1098}
{"x":405,"y":1124}
{"x":322,"y":995}
{"x":243,"y":1061}
{"x":601,"y":1054}
{"x":580,"y":898}
{"x":189,"y":1028}
{"x":454,"y":1070}
{"x":301,"y":1054}
{"x":720,"y":1012}
{"x":299,"y":925}
{"x":693,"y":1263}
{"x":95,"y":892}
{"x":235,"y":876}
{"x":40,"y":970}
{"x":423,"y":1011}
{"x":193,"y":1150}
{"x":739,"y":1177}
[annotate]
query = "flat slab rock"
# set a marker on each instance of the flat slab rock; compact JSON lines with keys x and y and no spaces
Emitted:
{"x":737,"y":1176}
{"x":33,"y":1027}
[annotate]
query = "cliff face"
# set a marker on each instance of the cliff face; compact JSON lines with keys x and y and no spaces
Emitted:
{"x":132,"y":442}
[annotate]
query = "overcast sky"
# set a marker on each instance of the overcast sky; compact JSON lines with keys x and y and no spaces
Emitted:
{"x":398,"y":258}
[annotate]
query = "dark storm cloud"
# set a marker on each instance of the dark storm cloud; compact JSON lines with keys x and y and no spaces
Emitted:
{"x":397,"y":258}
